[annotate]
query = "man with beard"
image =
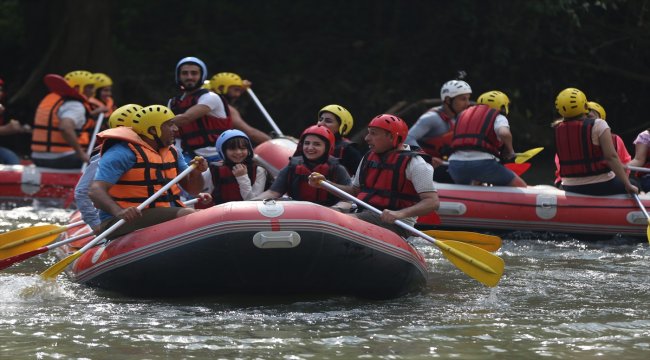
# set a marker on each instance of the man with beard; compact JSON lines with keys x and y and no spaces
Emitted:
{"x":201,"y":114}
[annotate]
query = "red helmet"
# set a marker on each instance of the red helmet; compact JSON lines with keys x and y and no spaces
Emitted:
{"x":320,"y":131}
{"x":394,"y":125}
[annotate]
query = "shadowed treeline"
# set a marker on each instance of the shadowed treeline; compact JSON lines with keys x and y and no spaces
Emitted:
{"x":366,"y":55}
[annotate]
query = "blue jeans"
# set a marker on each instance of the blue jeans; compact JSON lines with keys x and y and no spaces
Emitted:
{"x":483,"y":171}
{"x":8,"y":157}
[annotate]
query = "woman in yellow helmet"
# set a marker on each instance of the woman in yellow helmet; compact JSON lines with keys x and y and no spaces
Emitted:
{"x":339,"y":120}
{"x":589,"y":163}
{"x":102,"y":99}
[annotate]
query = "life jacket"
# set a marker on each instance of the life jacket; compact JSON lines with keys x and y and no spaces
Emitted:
{"x":440,"y":145}
{"x":475,"y":130}
{"x":298,"y":181}
{"x":46,"y":136}
{"x":204,"y":131}
{"x":340,"y":146}
{"x":383,"y":182}
{"x":578,"y":155}
{"x":152,"y":170}
{"x":226,"y":187}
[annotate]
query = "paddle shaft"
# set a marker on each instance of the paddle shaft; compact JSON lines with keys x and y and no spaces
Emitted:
{"x":637,"y":168}
{"x":263,"y":110}
{"x":638,"y":201}
{"x":93,"y":139}
{"x":327,"y":185}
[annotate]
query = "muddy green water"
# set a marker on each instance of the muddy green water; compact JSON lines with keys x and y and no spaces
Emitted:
{"x":562,"y":299}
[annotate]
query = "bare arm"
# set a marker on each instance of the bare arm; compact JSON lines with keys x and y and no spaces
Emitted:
{"x":316,"y":178}
{"x":238,"y":123}
{"x":428,"y":203}
{"x":195,"y":112}
{"x":194,"y":183}
{"x":98,"y":193}
{"x":70,"y":136}
{"x":613,"y":161}
{"x":640,"y":151}
{"x":506,"y":138}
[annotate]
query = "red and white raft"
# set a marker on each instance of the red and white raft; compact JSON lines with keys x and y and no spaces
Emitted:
{"x":255,"y":248}
{"x":54,"y":187}
{"x":539,"y":208}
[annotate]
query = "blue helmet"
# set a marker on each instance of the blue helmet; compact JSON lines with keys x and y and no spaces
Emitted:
{"x":230,"y":134}
{"x":195,"y":61}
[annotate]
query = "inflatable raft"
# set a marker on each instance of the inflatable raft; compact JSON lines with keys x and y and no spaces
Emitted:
{"x":52,"y":187}
{"x":254,"y":248}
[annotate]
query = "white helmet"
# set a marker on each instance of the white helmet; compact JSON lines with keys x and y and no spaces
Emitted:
{"x":453,"y":88}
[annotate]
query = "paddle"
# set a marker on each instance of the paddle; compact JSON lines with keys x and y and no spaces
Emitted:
{"x":57,"y":268}
{"x":521,"y":158}
{"x":18,"y":237}
{"x":263,"y":110}
{"x":490,"y":243}
{"x":637,"y":168}
{"x":93,"y":139}
{"x":479,"y":264}
{"x":518,"y":169}
{"x":638,"y":201}
{"x":29,"y":250}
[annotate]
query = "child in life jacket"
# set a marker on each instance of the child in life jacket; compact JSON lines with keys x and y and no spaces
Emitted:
{"x":236,"y":177}
{"x":313,"y":154}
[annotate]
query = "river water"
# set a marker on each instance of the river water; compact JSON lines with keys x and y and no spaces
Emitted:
{"x":560,"y":298}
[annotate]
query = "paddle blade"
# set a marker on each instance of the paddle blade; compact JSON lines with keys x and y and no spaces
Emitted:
{"x":21,"y":236}
{"x":481,"y":265}
{"x":490,"y":243}
{"x":647,"y":230}
{"x":58,"y":85}
{"x":525,"y":156}
{"x":5,"y":263}
{"x":26,"y":247}
{"x":518,"y":169}
{"x":53,"y":271}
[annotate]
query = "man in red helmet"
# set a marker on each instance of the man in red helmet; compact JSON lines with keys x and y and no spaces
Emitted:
{"x":391,"y":177}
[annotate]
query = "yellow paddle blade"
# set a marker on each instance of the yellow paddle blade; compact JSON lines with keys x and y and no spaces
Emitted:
{"x":647,"y":230}
{"x":54,"y":270}
{"x":26,"y":247}
{"x":525,"y":156}
{"x":481,"y":265}
{"x":490,"y":243}
{"x":21,"y":236}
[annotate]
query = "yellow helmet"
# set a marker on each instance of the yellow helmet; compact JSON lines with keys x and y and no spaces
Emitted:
{"x":153,"y":115}
{"x":102,"y":80}
{"x":344,"y":116}
{"x":592,"y":105}
{"x":496,"y":100}
{"x":80,"y":78}
{"x":123,"y":116}
{"x":221,"y":82}
{"x":571,"y":102}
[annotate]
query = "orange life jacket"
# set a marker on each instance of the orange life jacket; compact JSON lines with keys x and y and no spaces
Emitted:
{"x":383,"y":181}
{"x":298,"y":181}
{"x":577,"y":154}
{"x":152,"y":170}
{"x":204,"y":131}
{"x":226,"y":187}
{"x":440,"y":145}
{"x":475,"y":130}
{"x":46,"y":136}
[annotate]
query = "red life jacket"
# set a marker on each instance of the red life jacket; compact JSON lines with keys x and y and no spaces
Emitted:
{"x":298,"y":182}
{"x":226,"y":187}
{"x":439,"y":146}
{"x":578,"y":155}
{"x":383,"y":181}
{"x":152,"y":170}
{"x":47,"y":137}
{"x":204,"y":131}
{"x":475,"y":130}
{"x":340,"y":147}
